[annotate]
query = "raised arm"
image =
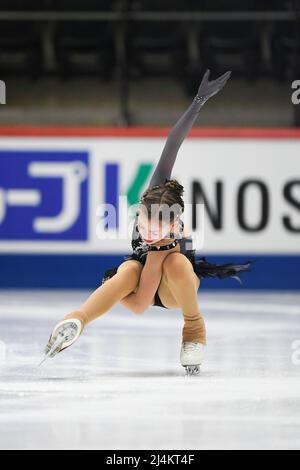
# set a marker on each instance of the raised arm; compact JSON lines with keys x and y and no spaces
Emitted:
{"x":182,"y":128}
{"x":165,"y":165}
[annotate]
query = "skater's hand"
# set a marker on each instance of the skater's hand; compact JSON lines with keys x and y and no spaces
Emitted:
{"x":149,"y":282}
{"x":139,"y":300}
{"x":207,"y":88}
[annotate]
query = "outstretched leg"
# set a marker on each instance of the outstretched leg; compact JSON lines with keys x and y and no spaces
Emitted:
{"x":179,"y":276}
{"x":108,"y":294}
{"x":103,"y":299}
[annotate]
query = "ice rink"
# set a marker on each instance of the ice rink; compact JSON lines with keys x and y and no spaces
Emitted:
{"x":121,"y":386}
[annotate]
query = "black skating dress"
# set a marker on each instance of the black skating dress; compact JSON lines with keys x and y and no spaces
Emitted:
{"x":162,"y":173}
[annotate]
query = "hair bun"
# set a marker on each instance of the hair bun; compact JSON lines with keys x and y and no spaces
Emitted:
{"x":175,"y":186}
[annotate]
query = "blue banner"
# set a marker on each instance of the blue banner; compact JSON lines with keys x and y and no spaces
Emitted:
{"x":43,"y":195}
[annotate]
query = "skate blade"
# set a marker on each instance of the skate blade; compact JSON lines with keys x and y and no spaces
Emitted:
{"x":43,"y":361}
{"x":52,"y":352}
{"x":192,"y":370}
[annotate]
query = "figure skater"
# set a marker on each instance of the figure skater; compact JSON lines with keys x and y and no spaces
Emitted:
{"x":162,"y":269}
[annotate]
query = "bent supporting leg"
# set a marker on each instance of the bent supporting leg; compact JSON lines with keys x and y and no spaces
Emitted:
{"x":181,"y":281}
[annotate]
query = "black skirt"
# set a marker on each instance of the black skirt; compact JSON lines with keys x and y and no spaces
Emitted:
{"x":202,"y":267}
{"x":205,"y":269}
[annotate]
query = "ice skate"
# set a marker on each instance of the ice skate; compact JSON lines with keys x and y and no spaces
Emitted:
{"x":191,"y":357}
{"x":62,"y":337}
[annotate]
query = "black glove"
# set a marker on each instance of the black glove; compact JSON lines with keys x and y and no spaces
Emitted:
{"x":208,"y":89}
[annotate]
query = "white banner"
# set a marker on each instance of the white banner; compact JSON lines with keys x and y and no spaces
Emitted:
{"x":51,"y":190}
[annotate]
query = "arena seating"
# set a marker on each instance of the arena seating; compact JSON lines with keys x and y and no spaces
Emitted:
{"x":286,"y":51}
{"x":178,"y":45}
{"x":21,"y":48}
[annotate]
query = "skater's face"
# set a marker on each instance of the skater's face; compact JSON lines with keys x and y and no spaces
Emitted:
{"x":153,"y":230}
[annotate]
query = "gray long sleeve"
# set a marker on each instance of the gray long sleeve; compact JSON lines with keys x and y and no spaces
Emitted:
{"x":175,"y":139}
{"x":180,"y":131}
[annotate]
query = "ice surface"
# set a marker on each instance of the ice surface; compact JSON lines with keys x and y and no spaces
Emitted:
{"x":121,"y":386}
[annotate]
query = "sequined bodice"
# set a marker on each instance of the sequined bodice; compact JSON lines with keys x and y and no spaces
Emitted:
{"x":140,"y":247}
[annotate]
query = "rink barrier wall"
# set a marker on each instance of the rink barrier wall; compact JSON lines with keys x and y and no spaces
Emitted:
{"x":204,"y":132}
{"x":85,"y":270}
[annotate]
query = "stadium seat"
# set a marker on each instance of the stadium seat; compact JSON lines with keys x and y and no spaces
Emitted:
{"x":286,"y":50}
{"x":21,"y":50}
{"x":232,"y":45}
{"x":25,"y":5}
{"x":237,"y":5}
{"x":85,"y":48}
{"x":162,"y":5}
{"x":86,"y":5}
{"x":159,"y":47}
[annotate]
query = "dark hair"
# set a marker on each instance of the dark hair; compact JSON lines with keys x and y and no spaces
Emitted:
{"x":168,"y":193}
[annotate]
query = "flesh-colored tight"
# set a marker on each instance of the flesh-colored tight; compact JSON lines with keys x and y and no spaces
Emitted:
{"x":179,"y":284}
{"x":183,"y":284}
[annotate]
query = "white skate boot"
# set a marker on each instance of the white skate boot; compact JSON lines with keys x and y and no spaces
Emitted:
{"x":63,"y":336}
{"x":191,"y":357}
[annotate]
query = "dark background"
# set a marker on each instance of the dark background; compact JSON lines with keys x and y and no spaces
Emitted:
{"x":139,"y":62}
